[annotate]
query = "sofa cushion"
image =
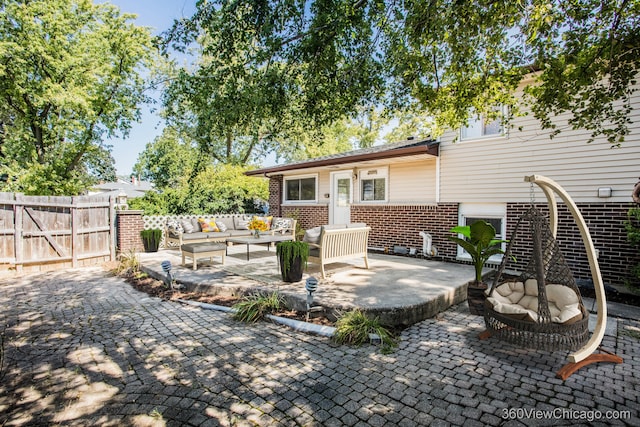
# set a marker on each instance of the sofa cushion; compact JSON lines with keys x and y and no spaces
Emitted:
{"x":240,"y":223}
{"x":187,"y":226}
{"x":221,"y":225}
{"x":514,"y":298}
{"x":239,"y":233}
{"x":225,"y":224}
{"x":204,"y":236}
{"x":356,"y":225}
{"x":334,"y":226}
{"x":312,"y":235}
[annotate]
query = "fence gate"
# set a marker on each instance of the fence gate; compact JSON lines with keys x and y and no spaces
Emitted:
{"x":47,"y":232}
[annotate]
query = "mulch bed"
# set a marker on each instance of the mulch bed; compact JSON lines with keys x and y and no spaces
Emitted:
{"x":157,"y":288}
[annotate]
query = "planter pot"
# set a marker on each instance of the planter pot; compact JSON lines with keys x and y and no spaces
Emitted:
{"x":295,"y":270}
{"x":151,"y":239}
{"x":476,"y":297}
{"x":151,"y":245}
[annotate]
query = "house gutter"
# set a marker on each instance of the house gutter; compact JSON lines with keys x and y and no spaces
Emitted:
{"x":431,"y":149}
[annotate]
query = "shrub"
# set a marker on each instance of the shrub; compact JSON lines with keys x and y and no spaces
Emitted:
{"x":128,"y":263}
{"x":254,"y":307}
{"x":632,"y":227}
{"x":354,"y":327}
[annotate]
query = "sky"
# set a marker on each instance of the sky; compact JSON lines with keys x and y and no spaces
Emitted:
{"x":159,"y":15}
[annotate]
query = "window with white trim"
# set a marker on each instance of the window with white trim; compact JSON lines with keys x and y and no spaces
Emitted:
{"x":374,"y":185}
{"x":482,"y":126}
{"x":301,"y":189}
{"x":494,"y":214}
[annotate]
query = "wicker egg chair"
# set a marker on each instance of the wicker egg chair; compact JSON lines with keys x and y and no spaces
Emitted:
{"x":542,"y":307}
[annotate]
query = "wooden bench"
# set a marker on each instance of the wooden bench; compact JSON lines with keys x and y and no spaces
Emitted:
{"x":339,"y":244}
{"x":203,"y":250}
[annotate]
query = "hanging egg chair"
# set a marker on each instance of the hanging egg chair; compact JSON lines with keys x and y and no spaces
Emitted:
{"x":541,"y":307}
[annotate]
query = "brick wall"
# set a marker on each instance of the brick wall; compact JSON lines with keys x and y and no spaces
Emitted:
{"x":400,"y":225}
{"x":275,"y":195}
{"x":606,"y":226}
{"x":307,"y":216}
{"x":129,"y":223}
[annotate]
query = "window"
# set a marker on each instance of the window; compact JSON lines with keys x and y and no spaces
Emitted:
{"x":481,"y":126}
{"x":373,"y":185}
{"x":300,"y":189}
{"x":495,"y":215}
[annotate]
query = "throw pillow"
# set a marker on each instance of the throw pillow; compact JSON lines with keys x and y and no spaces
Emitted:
{"x":241,"y":223}
{"x":312,"y":235}
{"x":196,"y":225}
{"x":187,"y":226}
{"x":175,"y":226}
{"x":221,"y":225}
{"x":208,"y":226}
{"x":281,"y":224}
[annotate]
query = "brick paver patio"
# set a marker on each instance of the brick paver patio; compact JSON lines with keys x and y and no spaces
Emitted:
{"x":83,"y":348}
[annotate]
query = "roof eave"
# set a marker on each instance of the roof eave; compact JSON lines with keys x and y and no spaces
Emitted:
{"x":429,"y":149}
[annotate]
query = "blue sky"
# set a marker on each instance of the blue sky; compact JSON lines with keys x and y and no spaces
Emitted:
{"x":159,"y":15}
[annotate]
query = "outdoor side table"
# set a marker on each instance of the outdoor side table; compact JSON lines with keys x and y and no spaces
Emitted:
{"x":203,"y":250}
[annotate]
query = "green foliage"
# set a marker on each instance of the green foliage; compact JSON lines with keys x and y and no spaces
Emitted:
{"x":168,"y":159}
{"x":70,"y":74}
{"x":479,"y":242}
{"x":289,"y":250}
{"x":217,"y":189}
{"x":252,"y":308}
{"x":128,"y":263}
{"x":354,"y":327}
{"x":152,"y":203}
{"x":632,"y":227}
{"x":272,"y":67}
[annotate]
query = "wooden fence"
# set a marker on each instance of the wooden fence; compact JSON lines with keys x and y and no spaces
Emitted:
{"x":46,"y":232}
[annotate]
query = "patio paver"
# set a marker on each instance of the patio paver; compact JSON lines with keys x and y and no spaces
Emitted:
{"x":84,"y":348}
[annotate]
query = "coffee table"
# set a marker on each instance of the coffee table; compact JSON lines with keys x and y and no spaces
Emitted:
{"x":264,"y":239}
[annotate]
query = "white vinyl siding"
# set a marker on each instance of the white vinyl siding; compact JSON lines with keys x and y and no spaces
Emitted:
{"x":493,"y":170}
{"x":413,"y":182}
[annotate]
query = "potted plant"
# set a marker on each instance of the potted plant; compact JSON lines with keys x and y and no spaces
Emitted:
{"x":151,"y":239}
{"x":480,"y":243}
{"x":292,"y":256}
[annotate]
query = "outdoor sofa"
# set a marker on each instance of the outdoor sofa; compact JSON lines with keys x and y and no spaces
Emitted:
{"x":337,"y":242}
{"x":220,"y":228}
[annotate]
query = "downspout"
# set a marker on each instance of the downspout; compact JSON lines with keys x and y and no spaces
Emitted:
{"x":438,"y":176}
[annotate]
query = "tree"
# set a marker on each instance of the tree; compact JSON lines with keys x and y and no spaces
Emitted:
{"x":168,"y":159}
{"x":217,"y":188}
{"x":324,"y":59}
{"x":70,"y":74}
{"x":247,"y":95}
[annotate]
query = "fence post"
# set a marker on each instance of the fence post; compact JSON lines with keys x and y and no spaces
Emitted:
{"x":74,"y":232}
{"x":112,"y":228}
{"x":18,"y":211}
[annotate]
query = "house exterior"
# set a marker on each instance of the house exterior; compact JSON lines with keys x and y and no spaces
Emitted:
{"x":131,"y":188}
{"x":473,"y":173}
